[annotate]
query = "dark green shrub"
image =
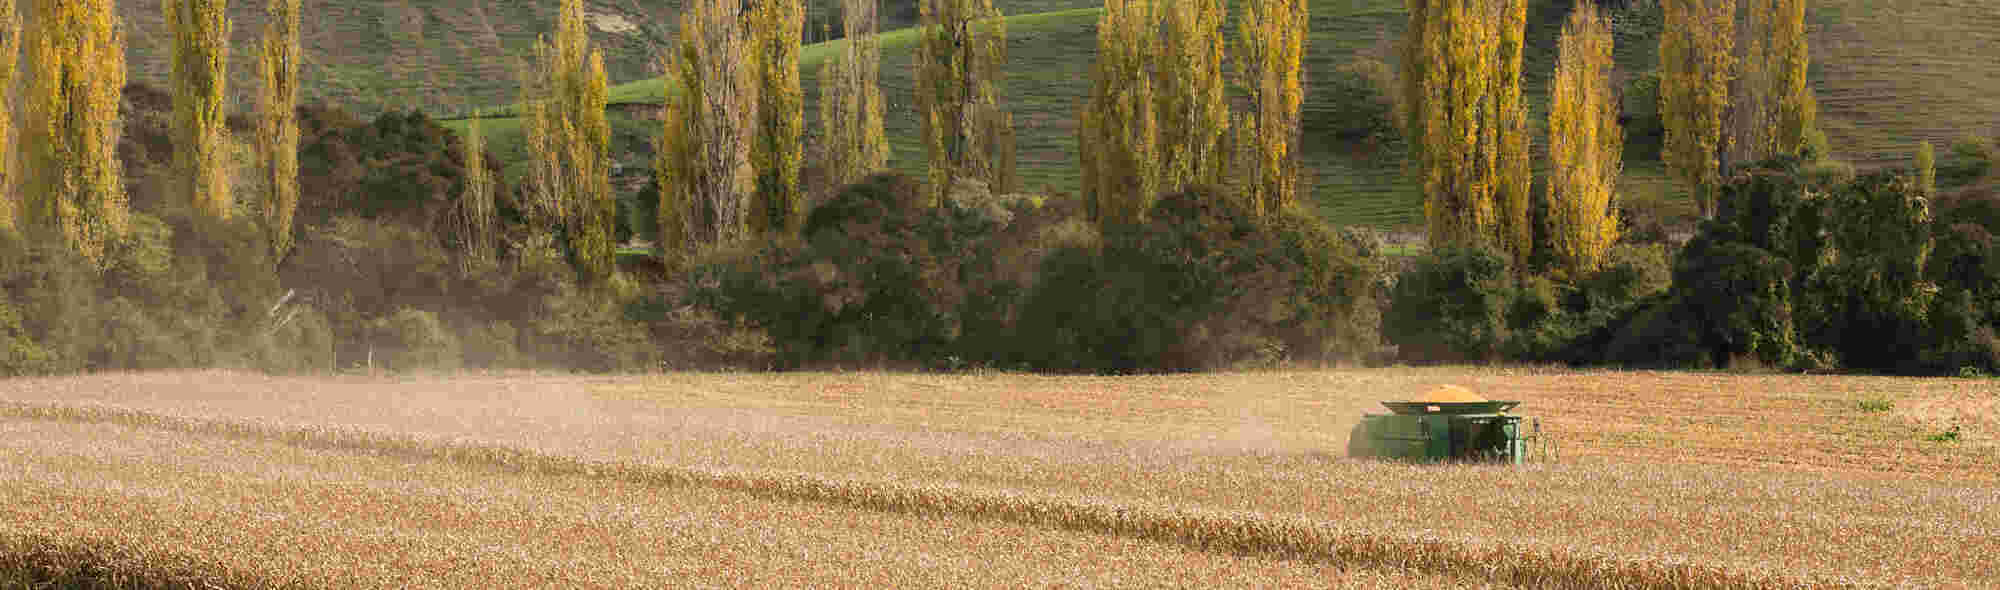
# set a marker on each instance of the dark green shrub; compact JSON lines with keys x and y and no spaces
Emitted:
{"x":1451,"y":306}
{"x":878,"y":278}
{"x":1202,"y":284}
{"x":1869,"y":302}
{"x":1972,"y":158}
{"x":1358,"y":104}
{"x":1655,"y":333}
{"x":1736,"y":295}
{"x":1640,"y":110}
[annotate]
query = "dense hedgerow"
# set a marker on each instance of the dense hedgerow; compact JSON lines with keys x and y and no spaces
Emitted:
{"x":1203,"y":283}
{"x":1019,"y":282}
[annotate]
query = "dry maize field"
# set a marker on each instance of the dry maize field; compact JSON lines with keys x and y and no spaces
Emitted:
{"x":874,"y":480}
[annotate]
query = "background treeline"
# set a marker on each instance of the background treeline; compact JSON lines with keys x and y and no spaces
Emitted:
{"x":397,"y":244}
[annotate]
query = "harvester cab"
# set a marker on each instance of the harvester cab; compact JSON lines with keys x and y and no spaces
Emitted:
{"x":1450,"y":424}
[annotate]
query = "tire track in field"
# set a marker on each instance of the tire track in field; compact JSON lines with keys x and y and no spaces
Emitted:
{"x":1242,"y":532}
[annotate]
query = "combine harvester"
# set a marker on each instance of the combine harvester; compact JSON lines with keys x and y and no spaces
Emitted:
{"x":1451,"y":423}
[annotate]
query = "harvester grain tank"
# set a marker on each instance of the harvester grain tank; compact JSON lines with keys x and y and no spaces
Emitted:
{"x":1449,"y":424}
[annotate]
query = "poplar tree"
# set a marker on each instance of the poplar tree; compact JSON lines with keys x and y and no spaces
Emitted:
{"x":961,"y":50}
{"x":1191,"y":103}
{"x":1772,"y":110}
{"x":703,"y":164}
{"x":200,"y":73}
{"x":1467,"y":122}
{"x":1797,"y":110}
{"x":1514,"y":178}
{"x":278,"y":121}
{"x":1119,"y":131}
{"x":778,"y":206}
{"x":568,"y":142}
{"x":475,"y":207}
{"x":10,"y":49}
{"x":1586,"y":146}
{"x":1927,"y":168}
{"x":853,"y":142}
{"x":76,"y":59}
{"x":1695,"y":70}
{"x":1273,"y":37}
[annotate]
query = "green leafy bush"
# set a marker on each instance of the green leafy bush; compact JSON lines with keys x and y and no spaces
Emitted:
{"x":1359,"y":103}
{"x":1451,"y":306}
{"x":877,"y":278}
{"x":1201,"y":284}
{"x":1868,"y":299}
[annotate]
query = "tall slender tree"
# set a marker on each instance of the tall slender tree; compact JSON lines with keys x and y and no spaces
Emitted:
{"x":10,"y":50}
{"x":76,"y":59}
{"x":1467,"y":122}
{"x":1513,"y":230}
{"x":851,"y":99}
{"x":1119,"y":131}
{"x":278,"y":121}
{"x":476,"y":210}
{"x":569,"y":142}
{"x":703,"y":164}
{"x":1696,"y":66}
{"x":200,"y":74}
{"x":961,"y":50}
{"x":1771,"y":110}
{"x":778,"y":205}
{"x":1586,"y":146}
{"x":1273,"y":37}
{"x":1927,"y":168}
{"x":1190,"y":94}
{"x":1797,"y":110}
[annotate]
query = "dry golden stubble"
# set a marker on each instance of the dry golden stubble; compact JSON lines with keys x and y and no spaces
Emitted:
{"x":1255,"y":533}
{"x":1638,"y":483}
{"x":152,"y":506}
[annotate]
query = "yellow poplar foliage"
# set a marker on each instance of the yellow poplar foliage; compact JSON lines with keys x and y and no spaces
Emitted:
{"x":1695,"y":69}
{"x":1120,"y":131}
{"x":1189,"y":94}
{"x":1797,"y":110}
{"x":1586,"y":146}
{"x":569,"y":141}
{"x":961,"y":50}
{"x":76,"y":71}
{"x":1927,"y":168}
{"x":778,"y":206}
{"x":475,"y":207}
{"x":1772,"y":111}
{"x":703,"y":164}
{"x":1273,"y":37}
{"x":1513,"y":229}
{"x":1451,"y":107}
{"x":854,"y":144}
{"x":200,"y":31}
{"x":10,"y":49}
{"x":278,"y":122}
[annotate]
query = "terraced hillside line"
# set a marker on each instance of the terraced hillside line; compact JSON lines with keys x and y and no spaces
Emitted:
{"x":143,"y":508}
{"x":1244,"y":532}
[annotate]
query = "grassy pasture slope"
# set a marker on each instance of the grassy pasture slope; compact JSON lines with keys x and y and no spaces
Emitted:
{"x":1768,"y":480}
{"x":1886,"y":76}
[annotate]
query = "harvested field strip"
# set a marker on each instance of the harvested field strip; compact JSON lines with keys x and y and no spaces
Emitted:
{"x":1209,"y":530}
{"x":145,"y":507}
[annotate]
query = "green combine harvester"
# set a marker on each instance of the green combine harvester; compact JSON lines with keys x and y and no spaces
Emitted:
{"x":1459,"y":431}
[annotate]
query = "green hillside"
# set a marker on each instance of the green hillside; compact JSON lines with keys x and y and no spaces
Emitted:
{"x":1886,"y":76}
